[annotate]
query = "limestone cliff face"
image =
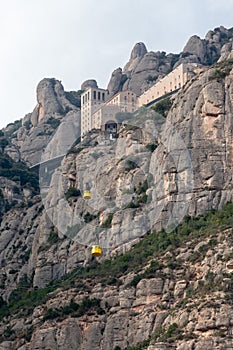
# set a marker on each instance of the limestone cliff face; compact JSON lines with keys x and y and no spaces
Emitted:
{"x":156,"y":172}
{"x":55,"y":108}
{"x":202,"y":114}
{"x":188,"y":173}
{"x":51,"y":100}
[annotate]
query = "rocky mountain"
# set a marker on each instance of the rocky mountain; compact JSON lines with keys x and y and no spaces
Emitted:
{"x":144,"y":68}
{"x":163,"y":189}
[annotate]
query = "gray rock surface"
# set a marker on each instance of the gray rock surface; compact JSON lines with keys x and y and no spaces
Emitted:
{"x":115,"y":83}
{"x":192,"y":172}
{"x":197,"y":47}
{"x":53,"y":111}
{"x":144,"y":68}
{"x":203,"y":321}
{"x":89,"y":83}
{"x":138,"y":52}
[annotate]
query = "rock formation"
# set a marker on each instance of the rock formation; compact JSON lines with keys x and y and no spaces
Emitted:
{"x":196,"y":47}
{"x":115,"y":83}
{"x":144,"y":68}
{"x":55,"y":108}
{"x":155,"y":174}
{"x":89,"y":83}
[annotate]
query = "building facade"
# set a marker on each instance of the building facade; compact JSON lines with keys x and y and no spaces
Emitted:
{"x":91,"y":100}
{"x":99,"y":112}
{"x":170,"y":83}
{"x":105,"y":116}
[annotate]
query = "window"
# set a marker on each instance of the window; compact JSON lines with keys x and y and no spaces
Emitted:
{"x":83,"y":100}
{"x":103,"y":96}
{"x":88,"y":95}
{"x":94,"y":95}
{"x":98,"y":95}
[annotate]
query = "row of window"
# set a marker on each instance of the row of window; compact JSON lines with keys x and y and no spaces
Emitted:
{"x":97,"y":95}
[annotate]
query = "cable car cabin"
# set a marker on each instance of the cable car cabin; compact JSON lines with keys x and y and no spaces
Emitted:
{"x":87,"y":194}
{"x":96,"y":250}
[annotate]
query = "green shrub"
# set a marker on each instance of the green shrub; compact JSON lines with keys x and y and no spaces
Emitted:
{"x":140,"y":346}
{"x":74,"y":309}
{"x":16,"y":190}
{"x":75,"y":150}
{"x":142,"y":199}
{"x":3,"y":143}
{"x":132,"y":205}
{"x":130,"y":165}
{"x":53,"y":122}
{"x":9,"y":333}
{"x":72,"y":192}
{"x":108,"y":222}
{"x":74,"y":97}
{"x":148,"y":273}
{"x":28,"y":334}
{"x":151,"y":147}
{"x":51,"y":314}
{"x":88,"y":217}
{"x":12,"y":128}
{"x":150,"y":79}
{"x":142,"y":187}
{"x":53,"y":237}
{"x":18,"y":171}
{"x":135,"y":280}
{"x":163,"y":107}
{"x":173,"y":333}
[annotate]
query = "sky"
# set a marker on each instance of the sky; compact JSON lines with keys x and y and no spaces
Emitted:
{"x":74,"y":40}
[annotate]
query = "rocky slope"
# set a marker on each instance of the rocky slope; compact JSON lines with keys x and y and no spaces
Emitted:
{"x":153,"y":175}
{"x":166,"y":293}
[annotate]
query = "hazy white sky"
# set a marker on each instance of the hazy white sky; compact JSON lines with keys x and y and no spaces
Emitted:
{"x":74,"y":40}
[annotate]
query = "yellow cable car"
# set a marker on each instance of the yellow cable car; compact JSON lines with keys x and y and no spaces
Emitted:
{"x":96,"y":250}
{"x":87,"y":194}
